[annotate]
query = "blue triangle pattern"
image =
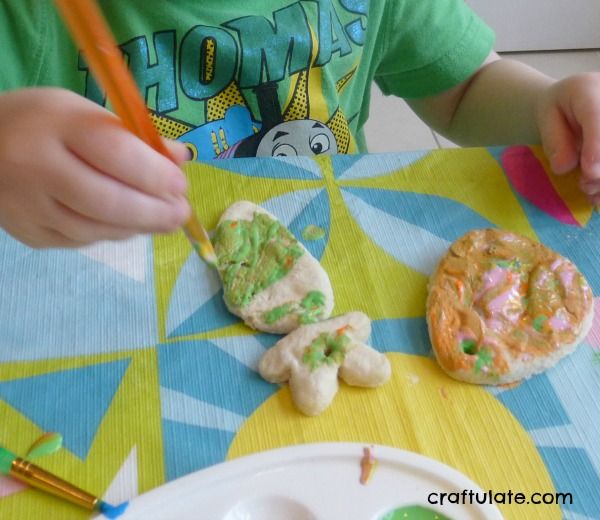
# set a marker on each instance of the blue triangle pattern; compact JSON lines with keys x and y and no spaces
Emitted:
{"x":573,"y":472}
{"x":91,"y":307}
{"x":213,"y":315}
{"x":289,"y":206}
{"x":352,"y":167}
{"x":408,"y":243}
{"x":71,"y":402}
{"x":406,"y":335}
{"x":302,"y":168}
{"x":425,"y":211}
{"x":548,"y":410}
{"x":268,"y":340}
{"x":196,"y":284}
{"x":343,"y":162}
{"x":12,"y":252}
{"x":205,"y":372}
{"x":190,"y":448}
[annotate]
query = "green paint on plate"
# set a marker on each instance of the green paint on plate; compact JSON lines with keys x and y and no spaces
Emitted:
{"x":414,"y":513}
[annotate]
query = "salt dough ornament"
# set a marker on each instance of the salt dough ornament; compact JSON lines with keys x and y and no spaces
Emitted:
{"x":270,"y":279}
{"x":313,"y":356}
{"x":502,"y":307}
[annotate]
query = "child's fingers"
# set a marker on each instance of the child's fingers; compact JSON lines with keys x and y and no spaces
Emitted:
{"x":591,"y":189}
{"x":83,"y":230}
{"x":104,"y":199}
{"x":589,"y":120}
{"x":39,"y":236}
{"x":559,"y":141}
{"x":61,"y":227}
{"x":109,"y":148}
{"x":180,"y":151}
{"x":48,"y":237}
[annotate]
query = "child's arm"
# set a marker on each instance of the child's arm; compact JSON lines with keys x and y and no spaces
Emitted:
{"x":70,"y":174}
{"x":508,"y":102}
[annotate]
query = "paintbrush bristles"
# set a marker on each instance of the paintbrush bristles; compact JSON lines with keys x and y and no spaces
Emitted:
{"x":198,"y":237}
{"x":209,"y":257}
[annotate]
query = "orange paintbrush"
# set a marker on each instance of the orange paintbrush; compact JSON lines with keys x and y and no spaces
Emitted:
{"x":91,"y":32}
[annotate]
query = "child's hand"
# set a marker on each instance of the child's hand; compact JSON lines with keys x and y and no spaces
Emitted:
{"x":70,"y":174}
{"x":569,"y":124}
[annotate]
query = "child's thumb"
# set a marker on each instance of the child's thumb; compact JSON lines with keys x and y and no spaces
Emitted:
{"x":179,"y":151}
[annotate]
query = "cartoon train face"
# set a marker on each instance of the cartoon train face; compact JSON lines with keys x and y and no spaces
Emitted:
{"x":301,"y":137}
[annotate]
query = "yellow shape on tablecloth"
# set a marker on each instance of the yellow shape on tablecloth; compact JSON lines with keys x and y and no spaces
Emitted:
{"x":385,"y":287}
{"x":235,"y":330}
{"x":212,"y":189}
{"x":474,"y":179}
{"x":422,"y":410}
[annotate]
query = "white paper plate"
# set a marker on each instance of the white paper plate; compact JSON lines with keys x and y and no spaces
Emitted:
{"x":309,"y":482}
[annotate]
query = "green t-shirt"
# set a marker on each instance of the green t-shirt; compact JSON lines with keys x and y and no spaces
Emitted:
{"x":245,"y":77}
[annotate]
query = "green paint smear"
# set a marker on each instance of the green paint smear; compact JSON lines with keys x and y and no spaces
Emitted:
{"x":47,"y":444}
{"x":253,"y":256}
{"x":538,"y":322}
{"x":310,"y":309}
{"x":326,"y":349}
{"x":312,"y":232}
{"x":6,"y":460}
{"x":597,"y":357}
{"x":468,"y":346}
{"x":277,"y":313}
{"x":414,"y":513}
{"x":513,"y":265}
{"x":484,"y":359}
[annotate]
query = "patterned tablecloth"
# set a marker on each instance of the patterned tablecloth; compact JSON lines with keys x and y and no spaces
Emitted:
{"x":128,"y":352}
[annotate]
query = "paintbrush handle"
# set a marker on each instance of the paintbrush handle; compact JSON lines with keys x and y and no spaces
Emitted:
{"x":36,"y":477}
{"x":91,"y":32}
{"x":89,"y":29}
